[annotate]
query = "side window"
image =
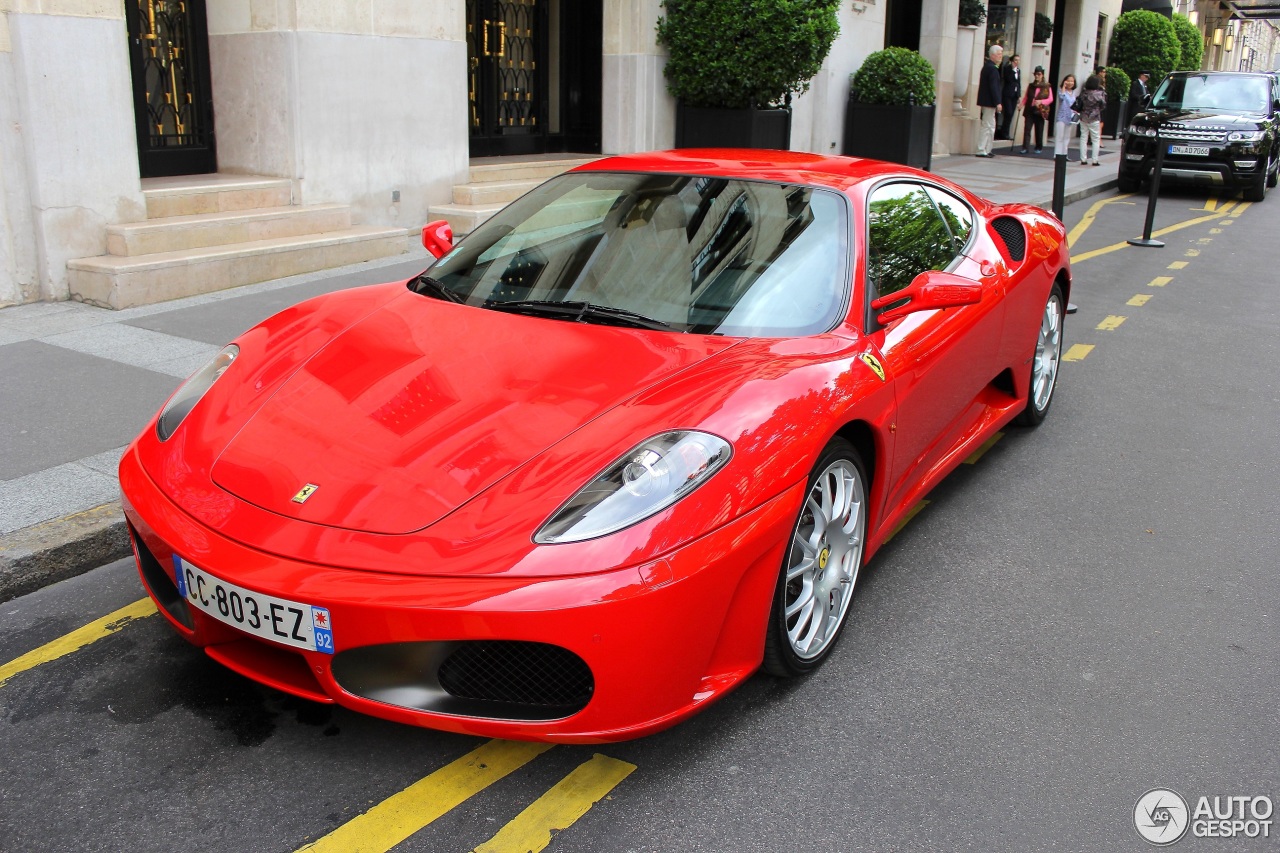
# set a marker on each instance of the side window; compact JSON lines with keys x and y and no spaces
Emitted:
{"x":957,"y":215}
{"x":906,"y":237}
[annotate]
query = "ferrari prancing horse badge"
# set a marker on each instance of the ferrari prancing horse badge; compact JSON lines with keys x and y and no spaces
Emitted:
{"x":874,"y":364}
{"x":305,"y":492}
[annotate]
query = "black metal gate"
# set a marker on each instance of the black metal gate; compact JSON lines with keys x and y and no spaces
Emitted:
{"x":533,"y":77}
{"x":172,"y":97}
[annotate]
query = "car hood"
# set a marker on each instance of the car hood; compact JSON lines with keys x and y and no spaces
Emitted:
{"x":422,"y":405}
{"x":1206,"y":119}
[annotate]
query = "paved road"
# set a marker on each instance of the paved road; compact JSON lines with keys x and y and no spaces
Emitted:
{"x":1087,"y":612}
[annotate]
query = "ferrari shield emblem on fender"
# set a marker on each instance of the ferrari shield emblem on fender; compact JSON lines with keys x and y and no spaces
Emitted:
{"x":872,"y":362}
{"x":305,"y":492}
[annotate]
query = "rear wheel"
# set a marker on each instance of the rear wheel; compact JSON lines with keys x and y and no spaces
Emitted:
{"x":815,"y":584}
{"x":1044,"y":365}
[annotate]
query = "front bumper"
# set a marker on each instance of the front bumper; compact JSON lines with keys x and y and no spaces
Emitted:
{"x":1230,"y":166}
{"x":660,"y":639}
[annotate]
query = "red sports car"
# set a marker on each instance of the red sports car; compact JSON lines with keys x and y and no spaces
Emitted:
{"x":617,"y":449}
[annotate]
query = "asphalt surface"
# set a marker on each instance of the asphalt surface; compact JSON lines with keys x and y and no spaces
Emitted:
{"x":1086,"y":613}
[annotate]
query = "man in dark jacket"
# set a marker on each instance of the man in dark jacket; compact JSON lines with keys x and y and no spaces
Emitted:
{"x":1012,"y":93}
{"x":990,"y":88}
{"x":1138,"y":91}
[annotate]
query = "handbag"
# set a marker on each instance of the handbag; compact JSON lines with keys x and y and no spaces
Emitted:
{"x":1043,"y":109}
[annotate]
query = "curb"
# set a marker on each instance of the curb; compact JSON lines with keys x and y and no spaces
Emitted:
{"x":43,"y":554}
{"x":51,"y":551}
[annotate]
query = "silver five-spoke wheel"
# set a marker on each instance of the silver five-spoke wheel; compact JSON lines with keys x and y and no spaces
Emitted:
{"x":821,"y":568}
{"x":1045,"y":362}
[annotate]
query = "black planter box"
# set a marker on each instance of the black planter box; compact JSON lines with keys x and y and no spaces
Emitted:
{"x":897,"y":134}
{"x":703,"y":127}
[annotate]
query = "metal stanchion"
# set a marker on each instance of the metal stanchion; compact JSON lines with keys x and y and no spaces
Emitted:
{"x":1146,"y":240}
{"x":1059,"y":182}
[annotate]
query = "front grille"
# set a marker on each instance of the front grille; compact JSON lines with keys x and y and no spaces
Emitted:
{"x":1013,"y":235}
{"x":159,"y":583}
{"x":1194,"y":136}
{"x":517,"y":672}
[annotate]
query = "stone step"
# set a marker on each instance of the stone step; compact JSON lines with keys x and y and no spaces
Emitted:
{"x":463,"y":218}
{"x":191,"y":194}
{"x":498,"y":169}
{"x":492,"y":192}
{"x":175,"y":233}
{"x":117,"y":282}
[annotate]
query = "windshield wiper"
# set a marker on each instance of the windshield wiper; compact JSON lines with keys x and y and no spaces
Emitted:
{"x":428,"y":285}
{"x":579,"y":312}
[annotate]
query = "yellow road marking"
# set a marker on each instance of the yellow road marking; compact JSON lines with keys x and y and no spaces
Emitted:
{"x":1204,"y":241}
{"x":1114,"y":247}
{"x":1110,"y":323}
{"x":1215,"y":230}
{"x":1228,"y":221}
{"x":986,"y":445}
{"x":1178,"y":265}
{"x":1077,"y":352}
{"x":912,"y":513}
{"x":560,"y":807}
{"x":401,"y":815}
{"x":1210,"y":203}
{"x":1160,"y":281}
{"x":1193,"y":253}
{"x":1139,"y":300}
{"x":1244,"y":205}
{"x":78,"y":638}
{"x":1089,"y":215}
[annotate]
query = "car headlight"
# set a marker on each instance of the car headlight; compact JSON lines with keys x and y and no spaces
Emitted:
{"x":190,"y":392}
{"x":1142,"y":131}
{"x":1245,"y":136}
{"x":645,"y":480}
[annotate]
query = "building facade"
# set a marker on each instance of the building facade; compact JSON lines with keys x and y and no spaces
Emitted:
{"x":383,"y":104}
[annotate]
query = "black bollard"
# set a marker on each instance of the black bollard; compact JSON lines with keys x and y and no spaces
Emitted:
{"x":1146,"y":240}
{"x":1059,"y":183}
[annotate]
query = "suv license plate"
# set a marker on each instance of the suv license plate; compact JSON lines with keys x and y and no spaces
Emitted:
{"x":291,"y":623}
{"x":1193,"y":150}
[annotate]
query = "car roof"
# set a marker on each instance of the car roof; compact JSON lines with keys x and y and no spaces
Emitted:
{"x":795,"y":167}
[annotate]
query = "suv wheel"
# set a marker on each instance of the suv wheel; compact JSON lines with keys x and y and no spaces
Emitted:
{"x":1258,"y":190}
{"x":1128,"y":182}
{"x":1273,"y":172}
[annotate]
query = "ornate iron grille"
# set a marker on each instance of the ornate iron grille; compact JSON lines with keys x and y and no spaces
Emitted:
{"x":173,"y":112}
{"x":517,"y":66}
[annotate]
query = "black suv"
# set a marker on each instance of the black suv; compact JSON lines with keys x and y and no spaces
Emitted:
{"x":1218,"y":128}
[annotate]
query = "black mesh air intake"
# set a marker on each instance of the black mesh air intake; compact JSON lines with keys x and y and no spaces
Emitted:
{"x":517,"y":672}
{"x":1013,"y":235}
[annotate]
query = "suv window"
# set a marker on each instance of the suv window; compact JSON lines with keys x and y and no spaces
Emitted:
{"x":907,"y":236}
{"x":1229,"y":92}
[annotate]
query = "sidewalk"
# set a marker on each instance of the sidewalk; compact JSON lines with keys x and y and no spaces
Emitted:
{"x":79,"y":382}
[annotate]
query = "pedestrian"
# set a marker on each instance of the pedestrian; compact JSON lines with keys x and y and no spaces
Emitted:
{"x":1091,"y":103}
{"x":1011,"y":76}
{"x":1035,"y":109}
{"x":1138,"y":92}
{"x":989,"y":99}
{"x":1066,"y":117}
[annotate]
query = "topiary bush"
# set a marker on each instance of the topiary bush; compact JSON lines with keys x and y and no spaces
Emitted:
{"x":972,"y":13}
{"x":1145,"y":41}
{"x":1043,"y":29}
{"x":1192,"y":45}
{"x":895,"y":76}
{"x":734,"y":54}
{"x":1118,"y":84}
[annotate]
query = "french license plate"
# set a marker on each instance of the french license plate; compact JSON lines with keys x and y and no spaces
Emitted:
{"x":280,"y":620}
{"x":1192,"y":150}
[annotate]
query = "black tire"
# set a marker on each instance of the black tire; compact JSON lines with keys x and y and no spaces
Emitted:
{"x":1273,"y":173}
{"x":836,"y":563}
{"x":1258,"y":190}
{"x":1038,"y":404}
{"x":1127,"y":182}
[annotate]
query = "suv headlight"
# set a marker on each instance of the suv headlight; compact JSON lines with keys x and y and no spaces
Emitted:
{"x":1246,"y":136}
{"x":190,"y":392}
{"x":1142,"y":131}
{"x":644,"y":481}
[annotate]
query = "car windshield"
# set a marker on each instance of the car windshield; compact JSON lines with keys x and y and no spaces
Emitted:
{"x":693,"y":254}
{"x":1213,"y":92}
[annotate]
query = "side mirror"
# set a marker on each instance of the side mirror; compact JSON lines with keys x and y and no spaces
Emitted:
{"x":437,"y":238}
{"x":927,"y":291}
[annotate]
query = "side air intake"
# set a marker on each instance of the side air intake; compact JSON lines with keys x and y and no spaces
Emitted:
{"x":1013,"y":235}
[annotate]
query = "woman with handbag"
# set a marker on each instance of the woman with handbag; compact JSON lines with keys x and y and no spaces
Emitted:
{"x":1066,"y":117}
{"x":1035,"y":109}
{"x":1091,"y":103}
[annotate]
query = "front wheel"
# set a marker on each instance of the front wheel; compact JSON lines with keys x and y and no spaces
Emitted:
{"x":1044,"y":365}
{"x":1128,"y":183}
{"x":1257,"y":191}
{"x":815,"y":584}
